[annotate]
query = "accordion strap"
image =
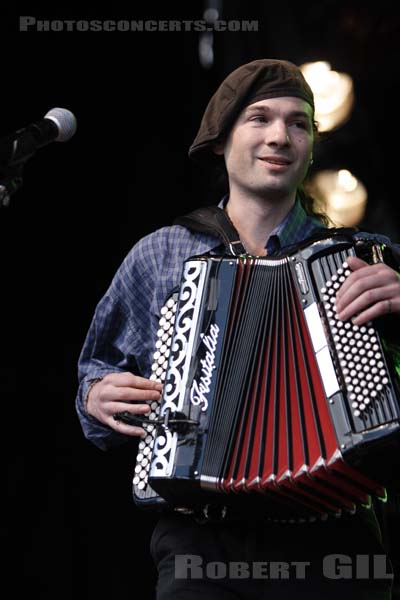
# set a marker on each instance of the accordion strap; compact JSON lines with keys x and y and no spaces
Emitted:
{"x":214,"y":220}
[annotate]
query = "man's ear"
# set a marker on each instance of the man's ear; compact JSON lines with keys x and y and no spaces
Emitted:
{"x":218,"y":148}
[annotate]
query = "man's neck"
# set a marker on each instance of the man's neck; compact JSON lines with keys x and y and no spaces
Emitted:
{"x":255,"y":219}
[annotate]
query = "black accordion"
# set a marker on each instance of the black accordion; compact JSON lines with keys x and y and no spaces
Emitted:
{"x":270,"y":403}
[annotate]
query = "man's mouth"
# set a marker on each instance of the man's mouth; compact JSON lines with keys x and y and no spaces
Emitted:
{"x":276,"y":160}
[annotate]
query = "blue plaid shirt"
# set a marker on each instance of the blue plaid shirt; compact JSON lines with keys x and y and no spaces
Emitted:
{"x":123,"y":331}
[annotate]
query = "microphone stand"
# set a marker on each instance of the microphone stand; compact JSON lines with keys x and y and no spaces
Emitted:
{"x":10,"y":181}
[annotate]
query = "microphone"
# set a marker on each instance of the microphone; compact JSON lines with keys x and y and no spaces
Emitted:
{"x":58,"y":125}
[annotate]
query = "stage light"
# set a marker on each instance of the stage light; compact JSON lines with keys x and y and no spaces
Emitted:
{"x":333,"y":94}
{"x":340,"y":195}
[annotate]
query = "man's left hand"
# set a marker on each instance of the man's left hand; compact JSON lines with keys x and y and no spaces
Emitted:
{"x":370,"y":291}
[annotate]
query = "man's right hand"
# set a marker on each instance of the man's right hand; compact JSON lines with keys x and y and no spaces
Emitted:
{"x":122,"y":392}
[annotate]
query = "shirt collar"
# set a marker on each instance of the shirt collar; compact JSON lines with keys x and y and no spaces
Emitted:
{"x":294,"y":228}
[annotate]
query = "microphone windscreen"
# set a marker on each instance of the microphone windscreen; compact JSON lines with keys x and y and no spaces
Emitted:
{"x":65,"y":121}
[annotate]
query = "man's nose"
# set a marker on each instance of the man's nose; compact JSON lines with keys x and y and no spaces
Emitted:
{"x":278,"y":134}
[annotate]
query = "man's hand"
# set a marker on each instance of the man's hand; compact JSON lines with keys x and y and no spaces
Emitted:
{"x":370,"y":291}
{"x":119,"y":392}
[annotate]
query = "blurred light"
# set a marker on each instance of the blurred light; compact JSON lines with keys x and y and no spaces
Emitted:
{"x":206,"y":49}
{"x":340,"y":195}
{"x":333,"y":94}
{"x":211,"y":13}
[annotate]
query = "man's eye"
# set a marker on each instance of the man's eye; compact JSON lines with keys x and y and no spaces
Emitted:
{"x":300,"y":124}
{"x":259,"y":118}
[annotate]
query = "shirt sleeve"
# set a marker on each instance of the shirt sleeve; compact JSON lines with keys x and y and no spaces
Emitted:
{"x":117,"y":340}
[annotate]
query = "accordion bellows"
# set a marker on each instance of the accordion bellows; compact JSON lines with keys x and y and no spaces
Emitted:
{"x":269,"y":400}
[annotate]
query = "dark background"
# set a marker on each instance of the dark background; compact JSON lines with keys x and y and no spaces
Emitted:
{"x":69,"y":521}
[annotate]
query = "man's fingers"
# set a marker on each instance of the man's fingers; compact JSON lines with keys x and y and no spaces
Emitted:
{"x":135,"y":381}
{"x":121,"y":413}
{"x":372,"y":312}
{"x":126,"y":429}
{"x":356,"y":263}
{"x":127,"y":394}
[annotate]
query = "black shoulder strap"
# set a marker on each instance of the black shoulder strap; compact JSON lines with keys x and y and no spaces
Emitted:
{"x":214,"y":220}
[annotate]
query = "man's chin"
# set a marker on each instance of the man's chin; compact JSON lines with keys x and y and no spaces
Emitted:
{"x":277,"y":192}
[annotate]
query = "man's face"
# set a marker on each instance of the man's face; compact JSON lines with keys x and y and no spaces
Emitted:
{"x":268,"y":149}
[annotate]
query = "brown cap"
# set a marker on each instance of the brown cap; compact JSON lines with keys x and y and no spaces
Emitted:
{"x":254,"y":81}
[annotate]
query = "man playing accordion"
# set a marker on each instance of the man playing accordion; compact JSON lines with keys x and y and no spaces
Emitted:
{"x":259,"y":128}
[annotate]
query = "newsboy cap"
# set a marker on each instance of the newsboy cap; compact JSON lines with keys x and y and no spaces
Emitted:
{"x":254,"y":81}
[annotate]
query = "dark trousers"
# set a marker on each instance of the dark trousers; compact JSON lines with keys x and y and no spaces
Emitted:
{"x":339,"y":559}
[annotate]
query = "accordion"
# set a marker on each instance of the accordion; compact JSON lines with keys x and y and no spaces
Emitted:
{"x":270,"y":402}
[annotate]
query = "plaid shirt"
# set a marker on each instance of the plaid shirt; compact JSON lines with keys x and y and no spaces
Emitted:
{"x":123,"y":331}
